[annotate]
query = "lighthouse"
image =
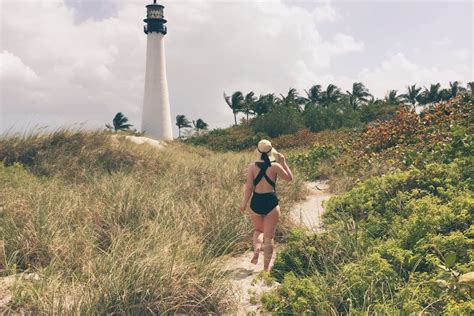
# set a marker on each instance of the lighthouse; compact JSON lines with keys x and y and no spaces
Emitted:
{"x":156,"y":115}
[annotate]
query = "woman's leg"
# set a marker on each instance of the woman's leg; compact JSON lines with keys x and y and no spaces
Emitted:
{"x":269,"y":224}
{"x":257,"y":221}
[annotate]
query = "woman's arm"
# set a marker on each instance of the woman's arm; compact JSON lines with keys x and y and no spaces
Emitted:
{"x":283,"y":170}
{"x":248,"y":187}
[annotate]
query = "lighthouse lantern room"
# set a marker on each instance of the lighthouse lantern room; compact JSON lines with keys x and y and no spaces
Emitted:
{"x":155,"y":19}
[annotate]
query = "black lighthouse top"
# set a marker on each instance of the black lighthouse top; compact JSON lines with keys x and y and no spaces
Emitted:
{"x":155,"y":21}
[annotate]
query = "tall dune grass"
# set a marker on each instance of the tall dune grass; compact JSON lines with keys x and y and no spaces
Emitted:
{"x":114,"y":227}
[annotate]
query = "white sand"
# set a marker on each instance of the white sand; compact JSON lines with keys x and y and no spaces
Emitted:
{"x":145,"y":140}
{"x":308,"y":213}
{"x":139,"y":140}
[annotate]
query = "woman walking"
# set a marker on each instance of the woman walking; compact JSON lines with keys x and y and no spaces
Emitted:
{"x":264,"y":208}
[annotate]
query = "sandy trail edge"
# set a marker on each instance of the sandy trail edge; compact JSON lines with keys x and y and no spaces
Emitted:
{"x":306,"y":214}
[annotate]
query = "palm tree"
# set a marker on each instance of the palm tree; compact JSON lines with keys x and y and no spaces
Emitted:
{"x":314,"y":95}
{"x":470,"y":85}
{"x":455,"y":88}
{"x":119,"y":123}
{"x":445,"y":94}
{"x":182,"y":121}
{"x":331,"y":95}
{"x":393,"y":98}
{"x":200,"y":125}
{"x":292,"y":99}
{"x":235,"y":102}
{"x":264,"y":104}
{"x":413,"y":95}
{"x":248,"y":103}
{"x":431,"y":95}
{"x":359,"y":95}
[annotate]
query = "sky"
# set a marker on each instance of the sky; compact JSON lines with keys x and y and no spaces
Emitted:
{"x":78,"y":62}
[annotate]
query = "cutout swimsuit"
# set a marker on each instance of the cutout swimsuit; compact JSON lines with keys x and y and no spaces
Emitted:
{"x":263,"y":203}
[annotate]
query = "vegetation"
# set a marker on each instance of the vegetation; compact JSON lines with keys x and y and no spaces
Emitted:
{"x":386,"y":249}
{"x":119,"y":123}
{"x":199,"y":126}
{"x":279,"y":121}
{"x":399,"y":242}
{"x":382,"y":147}
{"x":113,"y":227}
{"x":321,"y":109}
{"x":182,"y":122}
{"x":235,"y":103}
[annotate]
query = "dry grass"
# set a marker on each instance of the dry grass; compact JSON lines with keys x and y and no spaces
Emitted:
{"x":113,"y":227}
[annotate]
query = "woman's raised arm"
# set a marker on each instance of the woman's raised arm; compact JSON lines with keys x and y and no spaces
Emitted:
{"x":282,"y":168}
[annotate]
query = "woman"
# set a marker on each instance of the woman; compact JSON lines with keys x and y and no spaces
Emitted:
{"x":264,"y":209}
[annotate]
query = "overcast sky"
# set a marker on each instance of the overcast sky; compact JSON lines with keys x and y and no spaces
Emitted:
{"x":68,"y":62}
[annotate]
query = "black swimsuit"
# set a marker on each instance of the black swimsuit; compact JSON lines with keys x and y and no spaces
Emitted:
{"x":263,"y":203}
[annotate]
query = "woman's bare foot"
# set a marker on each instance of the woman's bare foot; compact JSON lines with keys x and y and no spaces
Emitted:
{"x":255,"y":257}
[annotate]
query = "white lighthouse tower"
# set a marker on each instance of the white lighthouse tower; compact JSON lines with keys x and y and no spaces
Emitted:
{"x":156,"y":115}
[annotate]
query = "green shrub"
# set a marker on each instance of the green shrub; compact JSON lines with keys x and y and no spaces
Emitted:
{"x":336,"y":115}
{"x":296,"y":295}
{"x":462,"y":144}
{"x":393,"y":243}
{"x":280,"y":120}
{"x":235,"y":138}
{"x":378,"y":110}
{"x":309,"y":162}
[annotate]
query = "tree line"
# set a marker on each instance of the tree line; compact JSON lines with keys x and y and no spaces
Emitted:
{"x":358,"y":97}
{"x":320,"y":108}
{"x":120,"y":123}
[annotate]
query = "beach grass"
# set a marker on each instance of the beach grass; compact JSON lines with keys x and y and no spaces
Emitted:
{"x":107,"y":226}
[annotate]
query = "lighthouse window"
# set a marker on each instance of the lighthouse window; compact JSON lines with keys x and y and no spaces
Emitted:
{"x":155,"y":14}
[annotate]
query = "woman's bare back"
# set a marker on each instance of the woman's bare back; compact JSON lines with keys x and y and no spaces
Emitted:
{"x":272,"y":172}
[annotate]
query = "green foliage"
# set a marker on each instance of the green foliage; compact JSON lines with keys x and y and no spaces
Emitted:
{"x":334,"y":116}
{"x":309,"y":162}
{"x":400,"y":243}
{"x":182,"y":122}
{"x":119,"y":122}
{"x":378,"y":110}
{"x":235,"y":138}
{"x":308,"y":296}
{"x":280,"y":120}
{"x":462,"y":144}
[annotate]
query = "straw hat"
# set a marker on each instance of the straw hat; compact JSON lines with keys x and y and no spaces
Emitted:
{"x":264,"y":146}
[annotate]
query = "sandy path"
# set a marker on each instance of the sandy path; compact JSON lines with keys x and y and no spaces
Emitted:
{"x":308,"y":213}
{"x":305,"y":214}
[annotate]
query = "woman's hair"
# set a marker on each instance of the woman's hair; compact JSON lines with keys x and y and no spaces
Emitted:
{"x":266,"y":160}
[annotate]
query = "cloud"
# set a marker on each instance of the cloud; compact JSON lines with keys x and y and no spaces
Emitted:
{"x":461,"y":54}
{"x":397,"y":71}
{"x":63,"y":67}
{"x":86,"y":71}
{"x":14,"y":71}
